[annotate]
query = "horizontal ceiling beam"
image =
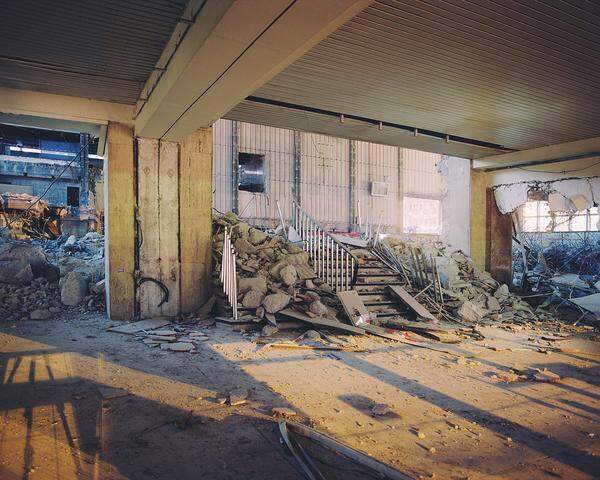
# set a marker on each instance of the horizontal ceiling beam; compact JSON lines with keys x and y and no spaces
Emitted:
{"x":579,"y":149}
{"x":231,"y":50}
{"x":73,"y":109}
{"x":357,"y":128}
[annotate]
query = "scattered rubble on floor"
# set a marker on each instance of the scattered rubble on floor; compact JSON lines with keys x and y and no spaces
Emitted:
{"x":39,"y":279}
{"x":565,"y":272}
{"x":441,"y":296}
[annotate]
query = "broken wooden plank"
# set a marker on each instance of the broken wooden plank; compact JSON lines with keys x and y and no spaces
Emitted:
{"x":320,"y":321}
{"x":135,"y":327}
{"x":354,"y":307}
{"x":408,"y":299}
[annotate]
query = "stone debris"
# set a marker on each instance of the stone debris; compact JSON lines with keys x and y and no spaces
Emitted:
{"x":283,"y":412}
{"x":40,"y":278}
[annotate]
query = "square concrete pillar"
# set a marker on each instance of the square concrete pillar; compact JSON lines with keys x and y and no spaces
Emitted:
{"x":119,"y":224}
{"x":195,"y":218}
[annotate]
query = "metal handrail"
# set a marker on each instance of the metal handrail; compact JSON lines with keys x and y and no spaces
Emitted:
{"x":229,"y":274}
{"x":332,"y":261}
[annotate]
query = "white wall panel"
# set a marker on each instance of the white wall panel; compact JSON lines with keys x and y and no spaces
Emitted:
{"x":222,"y":164}
{"x":325,"y":179}
{"x":421,"y":178}
{"x":379,"y":163}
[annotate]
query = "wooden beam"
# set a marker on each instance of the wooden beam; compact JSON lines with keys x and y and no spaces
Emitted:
{"x":120,"y":236}
{"x":499,"y":241}
{"x":195,"y":218}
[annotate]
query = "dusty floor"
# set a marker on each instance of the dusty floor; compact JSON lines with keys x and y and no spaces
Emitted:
{"x":455,"y":415}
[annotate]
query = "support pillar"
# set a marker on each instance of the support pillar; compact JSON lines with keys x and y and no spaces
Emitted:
{"x":477,"y":234}
{"x":195,"y":218}
{"x":120,"y":230}
{"x":498,"y":241}
{"x":352,"y":185}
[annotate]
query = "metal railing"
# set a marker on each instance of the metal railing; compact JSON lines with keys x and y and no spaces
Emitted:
{"x":332,"y":261}
{"x":228,"y":274}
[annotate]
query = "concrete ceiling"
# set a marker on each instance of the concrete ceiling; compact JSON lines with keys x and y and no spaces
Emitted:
{"x":514,"y":74}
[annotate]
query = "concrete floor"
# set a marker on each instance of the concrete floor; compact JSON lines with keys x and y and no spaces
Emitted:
{"x":455,"y":414}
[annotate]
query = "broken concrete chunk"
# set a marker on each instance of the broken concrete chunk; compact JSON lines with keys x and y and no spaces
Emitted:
{"x":238,"y":396}
{"x":253,"y":299}
{"x":546,"y":376}
{"x":282,"y":412}
{"x":493,"y":304}
{"x":269,"y":330}
{"x":501,"y":292}
{"x":288,"y":275}
{"x":252,"y":283}
{"x":179,"y":346}
{"x":41,"y":314}
{"x":275,"y":302}
{"x":318,"y":308}
{"x":74,"y":289}
{"x":256,"y":236}
{"x":244,"y":247}
{"x":471,"y":312}
{"x":380,"y":409}
{"x":17,"y":272}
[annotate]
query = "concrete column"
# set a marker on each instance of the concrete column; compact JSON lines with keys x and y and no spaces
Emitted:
{"x":478,"y":217}
{"x":195,"y":218}
{"x":352,"y":162}
{"x":119,"y":224}
{"x":456,"y":201}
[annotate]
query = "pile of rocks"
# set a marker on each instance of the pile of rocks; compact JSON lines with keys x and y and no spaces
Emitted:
{"x":471,"y":294}
{"x":273,"y":274}
{"x":40,"y":279}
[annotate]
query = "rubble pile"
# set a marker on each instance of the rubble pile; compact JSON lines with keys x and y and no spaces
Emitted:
{"x":564,"y":273}
{"x":24,"y":216}
{"x":273,"y":274}
{"x":40,"y":279}
{"x":471,"y":295}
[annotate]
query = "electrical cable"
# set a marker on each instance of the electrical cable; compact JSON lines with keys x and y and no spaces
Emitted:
{"x":561,"y":172}
{"x":20,"y":216}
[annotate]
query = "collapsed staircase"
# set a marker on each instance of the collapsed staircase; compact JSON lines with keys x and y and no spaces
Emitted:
{"x":372,"y":277}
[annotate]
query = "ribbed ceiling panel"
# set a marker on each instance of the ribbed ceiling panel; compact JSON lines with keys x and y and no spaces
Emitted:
{"x":520,"y":74}
{"x":97,"y":49}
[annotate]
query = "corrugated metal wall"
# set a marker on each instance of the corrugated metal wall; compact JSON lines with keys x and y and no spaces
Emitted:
{"x":324,"y":176}
{"x":379,"y":163}
{"x":222,"y":164}
{"x":325,"y":179}
{"x":277,"y":145}
{"x":421,"y":178}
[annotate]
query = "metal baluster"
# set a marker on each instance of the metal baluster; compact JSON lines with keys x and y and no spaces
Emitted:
{"x":337,"y":266}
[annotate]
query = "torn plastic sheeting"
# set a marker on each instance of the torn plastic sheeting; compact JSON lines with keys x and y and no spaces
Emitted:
{"x":510,"y":197}
{"x":574,"y":190}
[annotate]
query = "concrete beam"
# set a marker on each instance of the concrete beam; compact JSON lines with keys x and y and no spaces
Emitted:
{"x":542,"y":155}
{"x":231,"y":50}
{"x":48,"y":105}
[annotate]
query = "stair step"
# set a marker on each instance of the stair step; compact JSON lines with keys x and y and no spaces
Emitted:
{"x":379,"y":284}
{"x":379,"y":303}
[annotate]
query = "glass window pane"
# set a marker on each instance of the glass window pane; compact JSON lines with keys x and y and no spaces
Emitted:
{"x":530,"y":224}
{"x":579,"y":223}
{"x":530,"y":209}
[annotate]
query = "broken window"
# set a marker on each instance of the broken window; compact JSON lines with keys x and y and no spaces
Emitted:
{"x":537,"y":217}
{"x":251,"y":172}
{"x":73,"y":196}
